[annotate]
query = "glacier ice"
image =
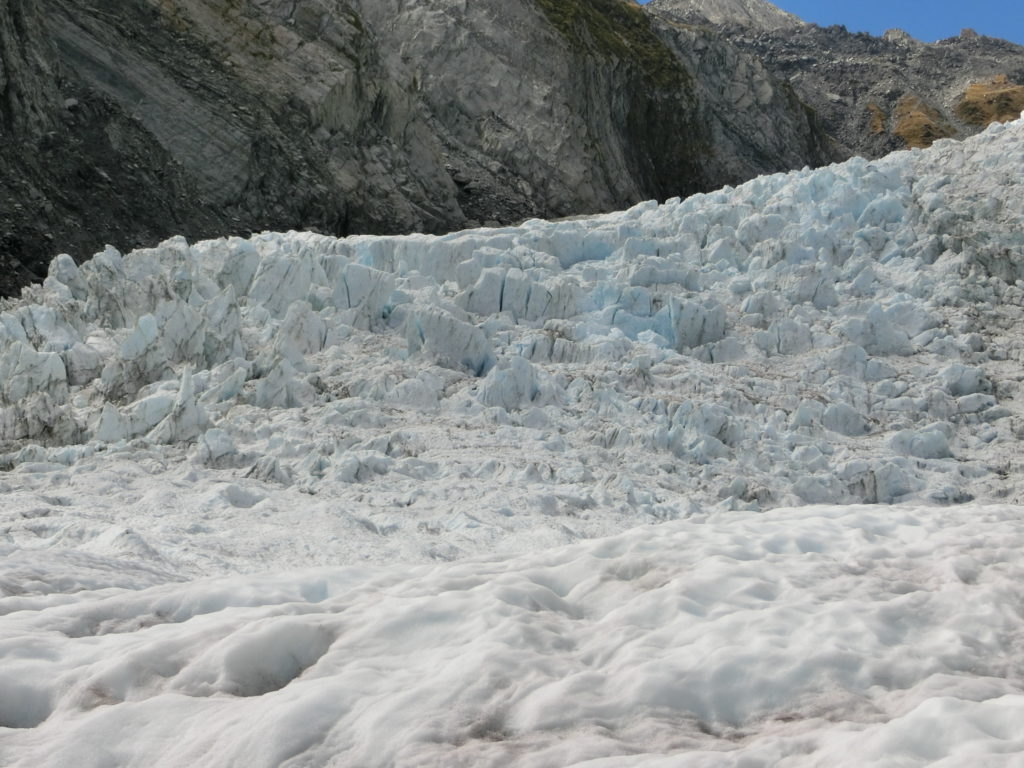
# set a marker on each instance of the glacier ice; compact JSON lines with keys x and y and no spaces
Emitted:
{"x":843,"y":309}
{"x":844,"y":336}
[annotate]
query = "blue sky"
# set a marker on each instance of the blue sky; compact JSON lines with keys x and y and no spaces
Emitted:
{"x":927,"y":20}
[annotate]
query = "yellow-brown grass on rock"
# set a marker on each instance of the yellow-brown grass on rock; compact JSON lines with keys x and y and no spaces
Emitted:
{"x":998,"y":100}
{"x":878,"y":118}
{"x":920,"y":124}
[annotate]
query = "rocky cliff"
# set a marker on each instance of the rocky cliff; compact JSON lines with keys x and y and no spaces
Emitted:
{"x":755,"y":14}
{"x":126,"y":121}
{"x":28,"y":91}
{"x":873,"y":94}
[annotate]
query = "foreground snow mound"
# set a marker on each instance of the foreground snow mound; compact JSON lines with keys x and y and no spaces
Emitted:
{"x":842,"y":335}
{"x":810,"y":637}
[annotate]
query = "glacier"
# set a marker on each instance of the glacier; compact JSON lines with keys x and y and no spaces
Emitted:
{"x":730,"y":480}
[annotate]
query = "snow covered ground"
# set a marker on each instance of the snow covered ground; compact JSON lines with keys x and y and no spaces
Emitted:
{"x":840,"y":636}
{"x":727,"y":481}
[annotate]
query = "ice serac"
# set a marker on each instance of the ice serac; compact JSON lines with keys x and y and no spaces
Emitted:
{"x":448,"y":340}
{"x":512,"y":385}
{"x":186,"y":419}
{"x":33,"y":398}
{"x":141,"y":360}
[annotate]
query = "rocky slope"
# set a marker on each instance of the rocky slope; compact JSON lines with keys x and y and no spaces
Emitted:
{"x":756,"y":14}
{"x":874,"y":94}
{"x":128,"y":121}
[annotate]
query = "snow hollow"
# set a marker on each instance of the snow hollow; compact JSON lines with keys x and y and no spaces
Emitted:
{"x":728,"y":481}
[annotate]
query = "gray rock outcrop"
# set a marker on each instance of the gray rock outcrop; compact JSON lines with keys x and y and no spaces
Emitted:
{"x":873,"y":94}
{"x":755,"y":14}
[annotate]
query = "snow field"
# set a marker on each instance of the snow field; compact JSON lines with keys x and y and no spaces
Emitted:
{"x":841,"y":636}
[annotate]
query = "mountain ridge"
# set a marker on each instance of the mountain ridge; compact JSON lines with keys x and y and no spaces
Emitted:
{"x":759,"y":14}
{"x":874,"y":94}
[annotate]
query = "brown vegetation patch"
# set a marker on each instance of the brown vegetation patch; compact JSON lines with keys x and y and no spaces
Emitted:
{"x":920,"y":124}
{"x":996,"y":101}
{"x":878,"y":118}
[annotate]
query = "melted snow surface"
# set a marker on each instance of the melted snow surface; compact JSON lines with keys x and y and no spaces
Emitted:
{"x":178,"y":419}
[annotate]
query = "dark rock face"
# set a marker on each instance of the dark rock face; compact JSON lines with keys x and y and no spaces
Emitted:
{"x":757,"y":121}
{"x":126,"y":121}
{"x":28,"y":91}
{"x":75,"y":171}
{"x":28,"y":99}
{"x":874,"y":95}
